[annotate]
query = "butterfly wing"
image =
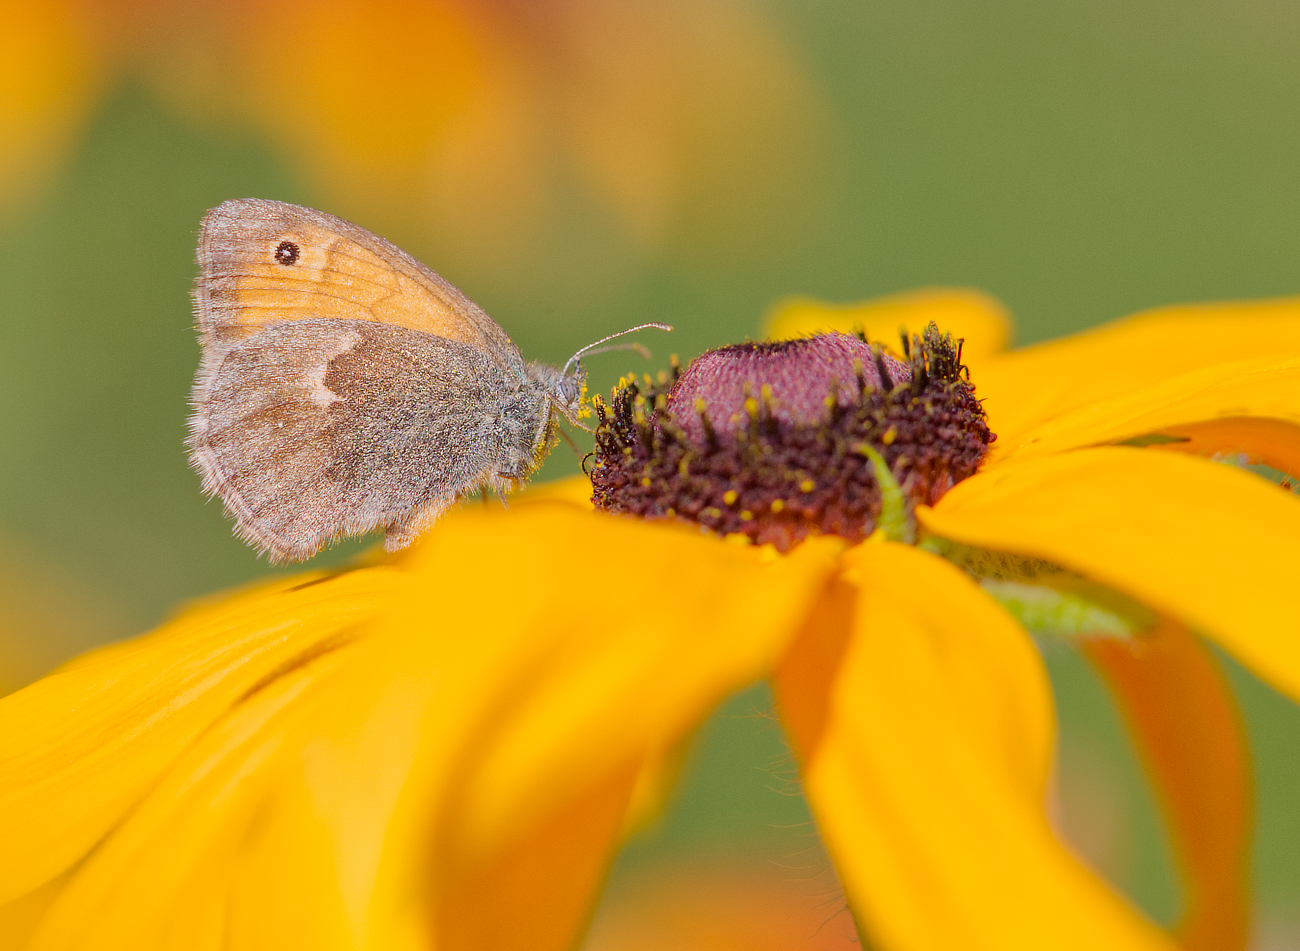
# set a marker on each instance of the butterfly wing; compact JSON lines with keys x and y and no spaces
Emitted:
{"x":344,"y":386}
{"x":265,"y":262}
{"x":314,"y":429}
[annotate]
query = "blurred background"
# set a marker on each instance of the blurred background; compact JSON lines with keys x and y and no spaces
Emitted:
{"x":579,"y":166}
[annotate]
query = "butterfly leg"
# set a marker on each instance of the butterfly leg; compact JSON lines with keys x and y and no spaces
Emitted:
{"x":507,"y":482}
{"x":401,"y":533}
{"x":496,"y":487}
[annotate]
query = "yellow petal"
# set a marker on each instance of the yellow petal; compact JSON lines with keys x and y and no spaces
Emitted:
{"x":561,"y":703}
{"x":1206,"y":543}
{"x":171,"y":874}
{"x":82,"y":746}
{"x":575,"y":490}
{"x":972,"y":315}
{"x":1192,"y":739}
{"x":457,"y":774}
{"x":20,"y":918}
{"x":927,"y":775}
{"x":1031,"y":386}
{"x":1267,"y":388}
{"x":1271,"y":441}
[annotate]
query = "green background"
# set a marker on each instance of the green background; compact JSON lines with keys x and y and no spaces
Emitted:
{"x":1079,"y":161}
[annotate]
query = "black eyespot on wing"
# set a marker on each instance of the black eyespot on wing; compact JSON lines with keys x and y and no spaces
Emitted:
{"x":287,"y":253}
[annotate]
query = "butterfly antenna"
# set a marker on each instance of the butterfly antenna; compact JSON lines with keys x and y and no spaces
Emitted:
{"x":634,"y":345}
{"x":591,"y":347}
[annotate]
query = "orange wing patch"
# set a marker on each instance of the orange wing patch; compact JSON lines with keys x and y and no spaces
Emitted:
{"x":267,"y":261}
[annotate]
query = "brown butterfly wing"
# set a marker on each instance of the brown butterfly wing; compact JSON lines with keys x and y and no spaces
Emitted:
{"x":264,"y":262}
{"x":315,"y":429}
{"x":344,"y":386}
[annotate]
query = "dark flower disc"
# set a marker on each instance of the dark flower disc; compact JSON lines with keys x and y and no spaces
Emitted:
{"x":771,"y":440}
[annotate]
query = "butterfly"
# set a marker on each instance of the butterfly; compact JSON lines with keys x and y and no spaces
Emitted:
{"x":345,"y":387}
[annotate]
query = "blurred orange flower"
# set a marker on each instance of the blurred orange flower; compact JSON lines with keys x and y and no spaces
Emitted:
{"x":468,"y":118}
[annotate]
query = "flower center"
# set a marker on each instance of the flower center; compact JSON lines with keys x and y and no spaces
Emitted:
{"x":775,"y":440}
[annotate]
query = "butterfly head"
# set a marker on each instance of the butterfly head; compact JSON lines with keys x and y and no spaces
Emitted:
{"x":565,"y":389}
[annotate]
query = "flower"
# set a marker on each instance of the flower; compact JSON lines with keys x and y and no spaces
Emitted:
{"x":487,"y":118}
{"x":442,"y":750}
{"x":780,"y":440}
{"x":1103,"y":469}
{"x":405,"y":730}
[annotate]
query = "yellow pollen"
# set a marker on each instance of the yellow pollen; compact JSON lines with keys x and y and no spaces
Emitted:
{"x":751,"y":406}
{"x":645,"y":481}
{"x":807,"y":485}
{"x":730,"y":497}
{"x":890,"y":435}
{"x":700,"y":405}
{"x":777,"y":505}
{"x":746,"y":516}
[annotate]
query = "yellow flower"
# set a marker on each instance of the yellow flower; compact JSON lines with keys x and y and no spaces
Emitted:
{"x":424,"y":738}
{"x":1095,"y":470}
{"x":444,"y":750}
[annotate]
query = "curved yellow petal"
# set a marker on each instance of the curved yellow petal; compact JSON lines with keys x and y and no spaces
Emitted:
{"x":928,"y":773}
{"x":1036,"y":384}
{"x":20,"y":918}
{"x":457,"y":774}
{"x":1267,"y":387}
{"x":169,"y":875}
{"x":79,"y":748}
{"x":972,"y":315}
{"x":563,"y":702}
{"x":1206,"y":543}
{"x":1192,"y":739}
{"x":1273,"y":442}
{"x":575,"y":490}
